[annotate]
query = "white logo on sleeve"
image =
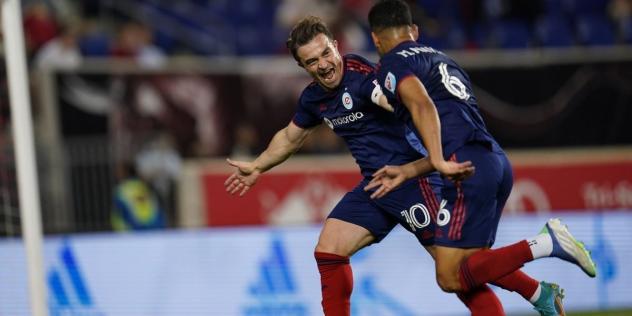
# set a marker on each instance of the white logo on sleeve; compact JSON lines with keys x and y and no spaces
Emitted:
{"x":376,"y":93}
{"x":347,"y":101}
{"x":390,"y":82}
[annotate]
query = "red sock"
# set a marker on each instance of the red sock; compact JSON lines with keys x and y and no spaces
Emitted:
{"x":488,"y":265}
{"x":518,"y":282}
{"x":482,"y":301}
{"x":336,"y":282}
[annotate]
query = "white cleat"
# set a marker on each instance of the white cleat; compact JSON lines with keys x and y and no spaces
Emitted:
{"x":567,"y":248}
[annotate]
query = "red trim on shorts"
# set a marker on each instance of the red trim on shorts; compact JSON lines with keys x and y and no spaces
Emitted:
{"x":459,"y":214}
{"x":430,"y":198}
{"x":459,"y":211}
{"x":429,"y":195}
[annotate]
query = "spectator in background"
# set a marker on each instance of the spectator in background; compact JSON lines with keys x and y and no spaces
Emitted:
{"x":39,"y":26}
{"x":345,"y":19}
{"x":134,"y":41}
{"x":620,"y":12}
{"x":61,"y":52}
{"x":350,"y":33}
{"x":159,"y":163}
{"x":620,"y":9}
{"x":95,"y":39}
{"x":291,"y":11}
{"x":135,"y":205}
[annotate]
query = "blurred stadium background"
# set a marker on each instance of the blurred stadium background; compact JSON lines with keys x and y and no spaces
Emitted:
{"x":136,"y":103}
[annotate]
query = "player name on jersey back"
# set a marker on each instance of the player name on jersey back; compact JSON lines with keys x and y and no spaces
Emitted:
{"x":411,"y":51}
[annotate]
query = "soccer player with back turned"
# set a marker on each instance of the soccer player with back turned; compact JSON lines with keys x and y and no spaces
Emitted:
{"x":432,"y":95}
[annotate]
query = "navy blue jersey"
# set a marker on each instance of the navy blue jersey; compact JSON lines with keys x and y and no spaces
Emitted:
{"x":374,"y":136}
{"x":448,"y":86}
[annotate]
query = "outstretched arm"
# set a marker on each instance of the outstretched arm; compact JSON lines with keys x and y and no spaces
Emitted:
{"x":390,"y":177}
{"x":426,"y":119}
{"x":284,"y":143}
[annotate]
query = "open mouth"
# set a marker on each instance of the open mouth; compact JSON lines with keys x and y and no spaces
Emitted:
{"x":327,"y":75}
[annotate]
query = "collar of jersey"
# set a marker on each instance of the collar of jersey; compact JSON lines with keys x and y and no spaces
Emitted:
{"x":398,"y":46}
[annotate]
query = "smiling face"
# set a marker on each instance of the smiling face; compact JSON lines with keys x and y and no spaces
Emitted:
{"x":321,"y":59}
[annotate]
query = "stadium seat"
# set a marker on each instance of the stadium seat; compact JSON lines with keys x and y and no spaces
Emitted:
{"x":595,"y":30}
{"x":436,"y":8}
{"x":166,"y":42}
{"x":554,"y":31}
{"x":555,"y":7}
{"x":626,"y":30}
{"x":511,"y":34}
{"x":95,"y":45}
{"x":584,"y":7}
{"x":449,"y":34}
{"x":432,"y":40}
{"x":454,"y":33}
{"x":477,"y":37}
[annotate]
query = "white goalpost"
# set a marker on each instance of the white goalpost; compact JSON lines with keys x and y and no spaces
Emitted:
{"x":22,"y":124}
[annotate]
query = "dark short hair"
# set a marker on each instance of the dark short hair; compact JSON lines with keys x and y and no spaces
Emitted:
{"x":304,"y":31}
{"x":389,"y":13}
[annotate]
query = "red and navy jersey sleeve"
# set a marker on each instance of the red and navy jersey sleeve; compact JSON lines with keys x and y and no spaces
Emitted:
{"x":369,"y":86}
{"x":358,"y":64}
{"x":305,"y":116}
{"x":396,"y":70}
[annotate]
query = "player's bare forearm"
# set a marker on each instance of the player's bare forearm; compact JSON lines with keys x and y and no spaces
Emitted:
{"x":277,"y":152}
{"x":388,"y":178}
{"x":418,"y":167}
{"x":425,"y":117}
{"x":427,"y":123}
{"x":284,"y":143}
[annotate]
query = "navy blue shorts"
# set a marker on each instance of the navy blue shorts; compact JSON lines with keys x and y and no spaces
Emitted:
{"x":407,"y":205}
{"x":470,"y":210}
